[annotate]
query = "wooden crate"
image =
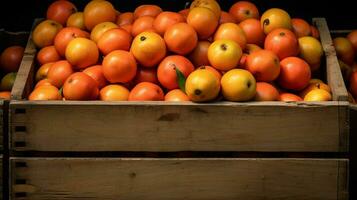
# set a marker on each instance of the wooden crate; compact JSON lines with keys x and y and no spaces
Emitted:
{"x":178,"y":179}
{"x":94,"y":126}
{"x":8,"y":39}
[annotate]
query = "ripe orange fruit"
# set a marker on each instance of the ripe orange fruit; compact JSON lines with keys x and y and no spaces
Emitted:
{"x":243,"y":10}
{"x":127,"y":27}
{"x":45,"y":92}
{"x":231,"y":31}
{"x":60,"y":11}
{"x":250,"y":48}
{"x":181,"y":38}
{"x":80,"y":86}
{"x":45,"y":33}
{"x":146,"y":75}
{"x":210,"y":4}
{"x":300,"y":27}
{"x":264,"y":65}
{"x":266,"y":92}
{"x":203,"y":20}
{"x":282,"y":42}
{"x":199,"y":55}
{"x":125,"y":18}
{"x":224,"y":54}
{"x":146,"y":91}
{"x":289,"y":97}
{"x":10,"y":58}
{"x":59,"y":72}
{"x":96,"y":72}
{"x":76,"y":20}
{"x":295,"y":73}
{"x":5,"y":95}
{"x":142,"y":24}
{"x":96,"y":12}
{"x":65,"y":35}
{"x":114,"y":93}
{"x":148,"y":48}
{"x":7,"y":82}
{"x":82,"y":52}
{"x":226,"y":18}
{"x":114,"y":39}
{"x":312,"y":86}
{"x":315,"y":32}
{"x":344,"y":50}
{"x":48,"y":54}
{"x":100,"y":29}
{"x":119,"y":66}
{"x":43,"y":82}
{"x":166,"y":19}
{"x":253,"y":31}
{"x":352,"y":37}
{"x":42,"y":71}
{"x":275,"y":18}
{"x":213,"y":70}
{"x":166,"y":72}
{"x":147,"y":10}
{"x":176,"y":95}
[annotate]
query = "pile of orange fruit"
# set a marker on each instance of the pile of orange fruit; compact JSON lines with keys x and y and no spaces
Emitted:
{"x":198,"y":54}
{"x":346,"y":49}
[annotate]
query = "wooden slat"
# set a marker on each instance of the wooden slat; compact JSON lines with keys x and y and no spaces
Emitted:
{"x":121,"y":126}
{"x":1,"y":177}
{"x":177,"y":179}
{"x":333,"y":72}
{"x":2,"y":130}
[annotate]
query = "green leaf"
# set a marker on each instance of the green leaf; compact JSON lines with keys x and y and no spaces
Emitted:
{"x":181,"y":80}
{"x":61,"y":91}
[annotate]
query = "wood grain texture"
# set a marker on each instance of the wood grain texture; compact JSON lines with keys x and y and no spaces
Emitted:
{"x":177,"y":179}
{"x":333,"y":72}
{"x":102,"y":126}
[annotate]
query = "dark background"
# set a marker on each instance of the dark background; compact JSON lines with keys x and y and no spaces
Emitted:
{"x":18,"y":15}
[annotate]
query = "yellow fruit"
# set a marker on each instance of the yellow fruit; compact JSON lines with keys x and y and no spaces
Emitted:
{"x":8,"y":81}
{"x":202,"y":85}
{"x":313,"y":86}
{"x":210,"y":4}
{"x":311,"y":51}
{"x":224,"y":54}
{"x":100,"y":29}
{"x":238,"y":85}
{"x":275,"y":18}
{"x":318,"y":95}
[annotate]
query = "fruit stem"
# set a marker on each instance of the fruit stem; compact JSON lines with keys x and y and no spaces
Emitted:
{"x":197,"y":92}
{"x":224,"y":47}
{"x":142,"y":38}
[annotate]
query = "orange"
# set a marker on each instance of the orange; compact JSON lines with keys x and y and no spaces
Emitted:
{"x":82,"y":52}
{"x":114,"y":39}
{"x":127,"y":27}
{"x":48,"y":54}
{"x":315,"y":32}
{"x":166,"y":19}
{"x":119,"y":66}
{"x":5,"y":95}
{"x":125,"y":18}
{"x":96,"y":12}
{"x":289,"y":97}
{"x":142,"y":24}
{"x":65,"y":35}
{"x":166,"y":72}
{"x":100,"y":29}
{"x":312,"y":86}
{"x":96,"y":72}
{"x":264,"y":65}
{"x":10,"y":58}
{"x":295,"y":73}
{"x":352,"y":37}
{"x":243,"y":10}
{"x":300,"y":27}
{"x":213,"y":70}
{"x":60,"y":11}
{"x":59,"y":72}
{"x":318,"y":95}
{"x":282,"y":42}
{"x":226,"y":18}
{"x":45,"y":92}
{"x":230,"y":31}
{"x":203,"y":20}
{"x":146,"y":75}
{"x":266,"y":92}
{"x":181,"y":38}
{"x":146,"y":91}
{"x":210,"y":4}
{"x":80,"y":86}
{"x":198,"y":56}
{"x":76,"y":20}
{"x":147,"y":10}
{"x":42,"y":71}
{"x":224,"y":54}
{"x":344,"y":50}
{"x":176,"y":95}
{"x":43,"y":82}
{"x":148,"y":48}
{"x":45,"y":33}
{"x":275,"y":18}
{"x":253,"y":31}
{"x":114,"y":93}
